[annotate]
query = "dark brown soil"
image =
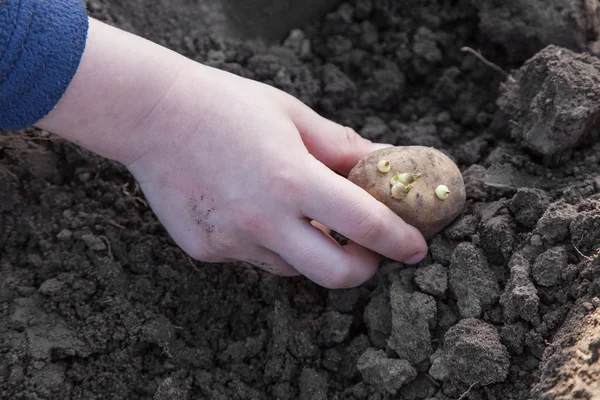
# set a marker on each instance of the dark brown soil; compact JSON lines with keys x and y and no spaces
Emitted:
{"x":96,"y":302}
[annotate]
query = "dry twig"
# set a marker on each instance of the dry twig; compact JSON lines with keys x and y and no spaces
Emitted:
{"x":105,"y":240}
{"x":588,"y":258}
{"x":133,"y":195}
{"x":193,"y":264}
{"x":467,"y":392}
{"x":116,"y":224}
{"x":487,"y":62}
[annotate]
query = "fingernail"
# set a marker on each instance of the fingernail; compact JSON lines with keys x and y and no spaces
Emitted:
{"x":415,"y":259}
{"x":379,"y":146}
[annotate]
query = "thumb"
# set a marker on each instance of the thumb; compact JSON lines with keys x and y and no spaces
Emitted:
{"x":338,"y":147}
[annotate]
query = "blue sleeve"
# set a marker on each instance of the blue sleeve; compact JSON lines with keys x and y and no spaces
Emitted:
{"x":41,"y":45}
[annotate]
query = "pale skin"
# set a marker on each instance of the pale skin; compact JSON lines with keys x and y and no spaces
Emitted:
{"x":233,"y":168}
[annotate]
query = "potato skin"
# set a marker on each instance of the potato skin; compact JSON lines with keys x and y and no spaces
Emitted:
{"x":421,"y":207}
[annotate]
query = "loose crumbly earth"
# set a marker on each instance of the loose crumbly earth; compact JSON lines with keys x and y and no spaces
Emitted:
{"x":96,"y":302}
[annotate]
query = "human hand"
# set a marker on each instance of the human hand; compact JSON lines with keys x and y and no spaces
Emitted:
{"x":238,"y":170}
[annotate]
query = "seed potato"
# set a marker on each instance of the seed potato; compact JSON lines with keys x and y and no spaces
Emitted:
{"x":423,"y":186}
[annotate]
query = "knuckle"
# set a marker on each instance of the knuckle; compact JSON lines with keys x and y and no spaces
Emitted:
{"x":371,"y":227}
{"x":251,"y":221}
{"x":287,"y":184}
{"x":350,"y":137}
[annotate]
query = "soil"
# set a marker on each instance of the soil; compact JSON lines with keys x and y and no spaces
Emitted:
{"x":96,"y":301}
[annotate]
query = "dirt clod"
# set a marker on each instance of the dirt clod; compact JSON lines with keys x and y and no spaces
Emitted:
{"x":555,"y":93}
{"x":474,"y":353}
{"x":497,"y":239}
{"x":413,"y":315}
{"x":549,"y":266}
{"x":528,"y":205}
{"x":336,"y":327}
{"x":472,"y":281}
{"x":554,"y":224}
{"x":432,"y":279}
{"x":520,"y":298}
{"x":385,"y":373}
{"x":378,"y":320}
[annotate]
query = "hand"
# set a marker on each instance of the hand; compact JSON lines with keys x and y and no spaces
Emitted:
{"x":238,"y":170}
{"x":234,"y":169}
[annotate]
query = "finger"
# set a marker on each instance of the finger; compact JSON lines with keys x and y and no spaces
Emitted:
{"x":338,"y":147}
{"x":322,"y":260}
{"x":269,"y":261}
{"x":353,"y":212}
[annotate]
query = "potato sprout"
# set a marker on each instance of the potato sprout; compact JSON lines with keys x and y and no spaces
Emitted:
{"x":399,"y":190}
{"x":384,"y":166}
{"x":407,"y":178}
{"x":442,"y":192}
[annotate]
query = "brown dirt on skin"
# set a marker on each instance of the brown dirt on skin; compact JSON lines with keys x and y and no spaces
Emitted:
{"x":97,"y":302}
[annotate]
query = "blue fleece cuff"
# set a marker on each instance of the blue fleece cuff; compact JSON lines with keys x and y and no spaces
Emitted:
{"x":41,"y":45}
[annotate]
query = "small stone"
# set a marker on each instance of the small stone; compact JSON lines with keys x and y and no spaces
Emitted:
{"x":536,"y":240}
{"x":84,"y":176}
{"x":93,"y":242}
{"x":383,"y":372}
{"x":439,"y":368}
{"x":64,"y":235}
{"x":336,"y":327}
{"x":432,"y":279}
{"x":51,"y":287}
{"x":549,"y":265}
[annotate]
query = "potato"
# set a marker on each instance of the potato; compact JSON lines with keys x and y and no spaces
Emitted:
{"x":418,"y":204}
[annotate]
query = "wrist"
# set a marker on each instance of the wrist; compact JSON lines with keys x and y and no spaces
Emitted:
{"x":121,"y":83}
